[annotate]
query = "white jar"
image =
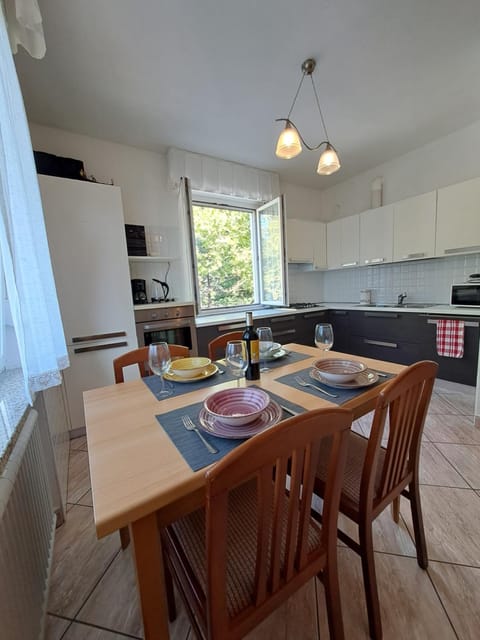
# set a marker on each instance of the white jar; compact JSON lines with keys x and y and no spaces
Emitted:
{"x":365,"y":296}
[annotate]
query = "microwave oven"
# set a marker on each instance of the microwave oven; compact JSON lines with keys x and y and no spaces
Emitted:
{"x":465,"y":295}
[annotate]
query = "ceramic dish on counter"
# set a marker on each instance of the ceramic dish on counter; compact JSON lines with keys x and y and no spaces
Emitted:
{"x":207,"y":372}
{"x":267,"y":418}
{"x":363,"y":379}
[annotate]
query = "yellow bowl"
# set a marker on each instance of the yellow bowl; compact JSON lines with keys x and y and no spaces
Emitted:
{"x":189,"y":367}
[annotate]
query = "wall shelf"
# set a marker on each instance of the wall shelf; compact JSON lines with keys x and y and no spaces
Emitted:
{"x":150,"y":259}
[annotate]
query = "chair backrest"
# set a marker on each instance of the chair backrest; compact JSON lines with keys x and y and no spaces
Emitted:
{"x":140,"y":357}
{"x":284,"y":555}
{"x":405,"y":401}
{"x":216,"y":347}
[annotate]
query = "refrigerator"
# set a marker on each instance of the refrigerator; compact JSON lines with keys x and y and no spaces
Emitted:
{"x":86,"y":237}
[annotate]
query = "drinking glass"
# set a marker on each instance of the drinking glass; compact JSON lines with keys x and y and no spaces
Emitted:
{"x":159,"y":363}
{"x":324,"y":336}
{"x":265,"y":343}
{"x":236,"y":357}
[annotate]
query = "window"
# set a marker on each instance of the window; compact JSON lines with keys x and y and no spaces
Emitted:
{"x":238,"y":255}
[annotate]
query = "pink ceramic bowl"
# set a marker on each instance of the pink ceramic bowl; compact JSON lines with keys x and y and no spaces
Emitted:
{"x":237,"y":407}
{"x":337,"y":370}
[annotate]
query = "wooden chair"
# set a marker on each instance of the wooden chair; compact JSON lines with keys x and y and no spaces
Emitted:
{"x":376,"y":477}
{"x":216,"y":347}
{"x":139,"y":357}
{"x":255,"y":544}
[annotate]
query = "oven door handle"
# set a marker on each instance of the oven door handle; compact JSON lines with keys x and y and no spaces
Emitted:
{"x":161,"y":324}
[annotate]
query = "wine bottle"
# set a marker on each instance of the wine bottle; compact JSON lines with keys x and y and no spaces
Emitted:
{"x":250,"y":337}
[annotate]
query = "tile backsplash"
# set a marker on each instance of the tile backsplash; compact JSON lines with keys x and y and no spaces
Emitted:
{"x":423,"y":281}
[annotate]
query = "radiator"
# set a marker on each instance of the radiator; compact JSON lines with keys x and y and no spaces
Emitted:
{"x":27,"y":529}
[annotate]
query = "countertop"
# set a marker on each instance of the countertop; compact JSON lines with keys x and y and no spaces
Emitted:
{"x":434,"y":309}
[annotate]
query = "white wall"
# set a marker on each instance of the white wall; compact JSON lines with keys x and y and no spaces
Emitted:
{"x":301,"y":202}
{"x":448,"y":160}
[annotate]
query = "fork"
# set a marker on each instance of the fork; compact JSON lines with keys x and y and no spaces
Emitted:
{"x":302,"y":383}
{"x":190,"y":426}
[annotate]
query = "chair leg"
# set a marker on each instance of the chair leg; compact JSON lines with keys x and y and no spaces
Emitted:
{"x":124,"y":537}
{"x":370,"y":580}
{"x":332,"y":599}
{"x":396,"y":509}
{"x":420,"y":543}
{"x":170,"y":593}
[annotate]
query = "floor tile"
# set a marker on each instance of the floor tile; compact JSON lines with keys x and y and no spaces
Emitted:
{"x":410,"y":607}
{"x":114,"y":602}
{"x":78,"y":444}
{"x":439,"y":405}
{"x":55,"y":627}
{"x":79,"y":561}
{"x":86,"y":499}
{"x":452,"y":429}
{"x":436,"y":470}
{"x":459,"y":589}
{"x":451,"y":519}
{"x":466,"y":459}
{"x":78,"y":476}
{"x":80,"y":631}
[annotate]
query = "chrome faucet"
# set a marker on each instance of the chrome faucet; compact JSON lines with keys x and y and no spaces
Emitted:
{"x":402,"y":297}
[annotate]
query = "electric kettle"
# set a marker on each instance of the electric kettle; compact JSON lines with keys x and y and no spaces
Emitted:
{"x":161,"y":290}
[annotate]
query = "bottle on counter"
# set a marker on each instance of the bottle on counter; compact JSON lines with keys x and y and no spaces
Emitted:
{"x":250,"y":337}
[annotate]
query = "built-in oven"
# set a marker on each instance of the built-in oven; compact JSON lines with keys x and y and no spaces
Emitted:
{"x":172,"y":324}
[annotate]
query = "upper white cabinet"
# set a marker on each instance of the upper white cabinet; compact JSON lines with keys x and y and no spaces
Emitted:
{"x":307,"y":242}
{"x":414,"y":227}
{"x":458,"y":218}
{"x":376,"y":235}
{"x":343,"y":249}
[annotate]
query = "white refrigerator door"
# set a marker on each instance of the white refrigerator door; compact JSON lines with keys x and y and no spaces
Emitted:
{"x":86,"y":236}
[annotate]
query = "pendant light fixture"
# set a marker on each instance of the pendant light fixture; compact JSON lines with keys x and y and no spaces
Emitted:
{"x":290,"y":140}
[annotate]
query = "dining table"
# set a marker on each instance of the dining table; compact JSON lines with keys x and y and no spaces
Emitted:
{"x":141,"y":479}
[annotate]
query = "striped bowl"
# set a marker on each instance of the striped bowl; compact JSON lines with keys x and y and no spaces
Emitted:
{"x":237,"y":407}
{"x":336,"y":370}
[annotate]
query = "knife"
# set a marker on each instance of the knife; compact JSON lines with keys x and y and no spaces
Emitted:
{"x":290,"y":411}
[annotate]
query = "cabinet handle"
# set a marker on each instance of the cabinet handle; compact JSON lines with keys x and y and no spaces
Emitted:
{"x":373,"y":314}
{"x":287,"y":332}
{"x":339,"y":313}
{"x":462,"y":249}
{"x":99,"y":347}
{"x":308,"y":316}
{"x":99,"y":336}
{"x":466,"y":323}
{"x":230,"y":327}
{"x":349,"y":264}
{"x":411,"y":256}
{"x":276,"y":320}
{"x":374,"y":260}
{"x":380,"y":343}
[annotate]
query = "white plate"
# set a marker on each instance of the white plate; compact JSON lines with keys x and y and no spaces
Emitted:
{"x":364,"y":379}
{"x":279,"y":353}
{"x":269,"y":416}
{"x":209,"y":371}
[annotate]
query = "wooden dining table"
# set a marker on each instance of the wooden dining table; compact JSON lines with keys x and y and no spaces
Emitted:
{"x":139,"y":478}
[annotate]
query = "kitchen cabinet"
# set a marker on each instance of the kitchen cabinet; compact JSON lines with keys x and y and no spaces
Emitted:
{"x":340,"y":321}
{"x":343,"y":248}
{"x":376,"y":235}
{"x":458,"y":218}
{"x":414,"y":222}
{"x":307,"y":242}
{"x":86,"y":237}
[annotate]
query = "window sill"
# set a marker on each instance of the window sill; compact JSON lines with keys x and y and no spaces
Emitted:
{"x":13,"y":407}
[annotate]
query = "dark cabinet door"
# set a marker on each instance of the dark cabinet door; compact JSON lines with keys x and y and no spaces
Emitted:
{"x":340,"y":321}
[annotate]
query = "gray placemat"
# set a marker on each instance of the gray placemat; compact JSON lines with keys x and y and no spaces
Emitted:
{"x":290,"y":358}
{"x":188,"y":443}
{"x":342,"y":395}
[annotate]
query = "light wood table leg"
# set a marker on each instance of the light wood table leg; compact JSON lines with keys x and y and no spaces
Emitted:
{"x":150,"y":578}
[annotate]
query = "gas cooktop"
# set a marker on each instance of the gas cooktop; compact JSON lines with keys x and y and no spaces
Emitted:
{"x":304,"y":305}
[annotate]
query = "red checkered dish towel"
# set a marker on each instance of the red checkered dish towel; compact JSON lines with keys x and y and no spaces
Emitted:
{"x":450,"y":338}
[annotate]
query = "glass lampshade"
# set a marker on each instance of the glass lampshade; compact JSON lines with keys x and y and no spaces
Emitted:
{"x":288,"y":145}
{"x":328,"y":162}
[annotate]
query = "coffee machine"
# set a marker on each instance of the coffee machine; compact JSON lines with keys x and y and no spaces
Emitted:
{"x":139,"y":291}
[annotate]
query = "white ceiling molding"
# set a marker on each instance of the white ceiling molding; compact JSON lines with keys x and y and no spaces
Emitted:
{"x":219,"y":176}
{"x":24,"y":26}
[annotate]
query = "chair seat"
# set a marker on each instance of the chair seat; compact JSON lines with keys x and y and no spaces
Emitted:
{"x":356,"y":451}
{"x":189,"y":533}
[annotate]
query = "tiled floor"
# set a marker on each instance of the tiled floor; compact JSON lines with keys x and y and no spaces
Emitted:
{"x":93,"y":593}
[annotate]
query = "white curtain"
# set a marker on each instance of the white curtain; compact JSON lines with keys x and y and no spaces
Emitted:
{"x":24,"y":252}
{"x":219,"y":176}
{"x":24,"y":26}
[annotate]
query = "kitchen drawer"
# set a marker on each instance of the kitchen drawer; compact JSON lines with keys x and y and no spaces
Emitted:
{"x":393,"y":351}
{"x":388,"y":325}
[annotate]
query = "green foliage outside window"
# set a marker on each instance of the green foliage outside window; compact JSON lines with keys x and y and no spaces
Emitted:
{"x":223,"y":244}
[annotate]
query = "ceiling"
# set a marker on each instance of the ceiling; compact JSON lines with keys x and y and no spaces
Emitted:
{"x":211,"y":76}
